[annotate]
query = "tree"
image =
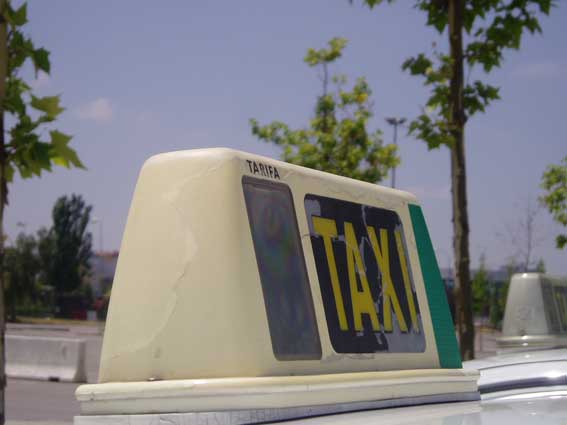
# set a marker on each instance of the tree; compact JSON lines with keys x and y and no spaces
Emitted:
{"x":23,"y":147}
{"x":46,"y":253}
{"x":523,"y":236}
{"x":337,"y":140}
{"x":72,"y":244}
{"x":554,"y":182}
{"x":540,"y":266}
{"x":480,"y":293}
{"x":478,"y":31}
{"x":21,"y":267}
{"x":499,"y":294}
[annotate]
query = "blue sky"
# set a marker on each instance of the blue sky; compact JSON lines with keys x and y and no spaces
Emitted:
{"x":144,"y":77}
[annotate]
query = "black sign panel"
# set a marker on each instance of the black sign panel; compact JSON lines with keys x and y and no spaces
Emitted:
{"x":555,"y":301}
{"x":365,"y":278}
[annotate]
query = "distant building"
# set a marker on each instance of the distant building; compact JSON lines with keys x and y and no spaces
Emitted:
{"x":494,"y":276}
{"x":103,"y":265}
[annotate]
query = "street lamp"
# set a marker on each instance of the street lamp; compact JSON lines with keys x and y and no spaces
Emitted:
{"x":96,"y":220}
{"x":395,"y":122}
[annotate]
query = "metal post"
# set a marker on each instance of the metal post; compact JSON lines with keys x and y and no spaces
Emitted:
{"x":22,"y":225}
{"x":98,"y":221}
{"x":100,"y":236}
{"x":395,"y":122}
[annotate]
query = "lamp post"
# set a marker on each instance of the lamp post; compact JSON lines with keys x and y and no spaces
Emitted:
{"x":22,"y":225}
{"x":98,"y":220}
{"x":395,"y":122}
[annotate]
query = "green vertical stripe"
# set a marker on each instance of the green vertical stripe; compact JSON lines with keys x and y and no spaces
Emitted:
{"x":447,"y":348}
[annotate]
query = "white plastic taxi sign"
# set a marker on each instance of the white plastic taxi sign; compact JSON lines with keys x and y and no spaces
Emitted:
{"x":248,"y":283}
{"x":536,"y":312}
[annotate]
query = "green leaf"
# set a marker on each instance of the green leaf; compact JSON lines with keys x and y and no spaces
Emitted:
{"x":418,"y":65}
{"x":14,"y":102}
{"x":61,"y":153}
{"x":25,"y":171}
{"x":32,"y":157}
{"x":372,"y":3}
{"x":337,"y":140}
{"x":39,"y":158}
{"x":554,"y":182}
{"x":20,"y":49}
{"x":59,"y":139}
{"x":561,"y":241}
{"x":41,"y":60}
{"x":325,"y":56}
{"x":19,"y":16}
{"x":436,"y":11}
{"x":48,"y":104}
{"x":9,"y":173}
{"x":23,"y":133}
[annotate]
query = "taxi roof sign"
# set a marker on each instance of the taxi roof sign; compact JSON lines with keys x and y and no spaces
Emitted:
{"x":235,"y":266}
{"x":536,"y":312}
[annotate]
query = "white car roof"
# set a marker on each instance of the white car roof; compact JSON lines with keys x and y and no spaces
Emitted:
{"x":250,"y":291}
{"x":520,"y":371}
{"x":546,"y":407}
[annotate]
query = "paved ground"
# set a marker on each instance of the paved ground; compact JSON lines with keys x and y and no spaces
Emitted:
{"x":50,"y":401}
{"x":39,"y":401}
{"x":485,"y":342}
{"x":53,"y":403}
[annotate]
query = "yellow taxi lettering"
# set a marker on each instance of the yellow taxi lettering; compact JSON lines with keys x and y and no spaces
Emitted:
{"x":405,"y":276}
{"x":390,"y":298}
{"x":327,"y":228}
{"x":362,"y":302}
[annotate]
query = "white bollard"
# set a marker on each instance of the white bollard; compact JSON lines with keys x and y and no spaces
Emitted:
{"x":45,"y":358}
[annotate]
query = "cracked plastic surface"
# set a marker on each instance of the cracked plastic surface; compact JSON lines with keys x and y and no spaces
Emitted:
{"x":187,"y":300}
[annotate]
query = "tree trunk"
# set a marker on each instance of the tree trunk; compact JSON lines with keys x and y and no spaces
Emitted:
{"x":3,"y":75}
{"x":457,"y":119}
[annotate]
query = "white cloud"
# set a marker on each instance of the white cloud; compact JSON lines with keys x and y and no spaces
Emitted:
{"x":143,"y":117}
{"x":42,"y":80}
{"x":537,"y":70}
{"x":99,"y":110}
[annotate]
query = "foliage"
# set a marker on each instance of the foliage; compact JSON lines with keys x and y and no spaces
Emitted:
{"x":480,"y":289}
{"x":337,"y":140}
{"x":540,"y":266}
{"x":85,"y":290}
{"x":498,"y":295}
{"x":524,"y":236}
{"x":21,"y":267}
{"x":478,"y":31}
{"x":46,"y":253}
{"x":492,"y":27}
{"x":554,"y":182}
{"x":69,"y":244}
{"x":27,"y":151}
{"x":24,"y":147}
{"x":56,"y":259}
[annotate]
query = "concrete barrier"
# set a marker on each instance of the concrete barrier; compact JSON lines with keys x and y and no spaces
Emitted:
{"x":45,"y":358}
